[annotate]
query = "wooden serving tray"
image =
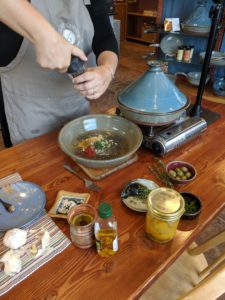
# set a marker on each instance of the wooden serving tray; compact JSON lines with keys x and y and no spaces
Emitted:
{"x":97,"y":174}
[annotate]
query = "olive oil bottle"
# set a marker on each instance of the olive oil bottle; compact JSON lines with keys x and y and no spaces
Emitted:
{"x":106,"y":231}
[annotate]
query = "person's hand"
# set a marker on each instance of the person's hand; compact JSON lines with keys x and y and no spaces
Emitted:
{"x":55,"y":53}
{"x":52,"y":49}
{"x":94,"y":82}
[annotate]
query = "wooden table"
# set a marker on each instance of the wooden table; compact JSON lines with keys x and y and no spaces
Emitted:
{"x":82,"y":274}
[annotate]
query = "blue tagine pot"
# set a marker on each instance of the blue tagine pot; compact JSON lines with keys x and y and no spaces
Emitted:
{"x":153,"y":99}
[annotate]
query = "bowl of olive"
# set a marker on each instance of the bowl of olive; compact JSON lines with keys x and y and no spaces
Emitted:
{"x":193,"y":205}
{"x":180,"y":171}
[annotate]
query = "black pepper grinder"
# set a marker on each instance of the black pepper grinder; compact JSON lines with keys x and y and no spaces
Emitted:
{"x":76,"y":67}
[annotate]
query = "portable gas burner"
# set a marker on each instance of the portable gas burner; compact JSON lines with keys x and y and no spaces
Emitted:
{"x":161,"y":140}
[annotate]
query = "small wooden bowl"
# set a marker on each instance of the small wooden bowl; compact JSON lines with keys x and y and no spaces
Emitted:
{"x":180,"y":164}
{"x":193,"y":205}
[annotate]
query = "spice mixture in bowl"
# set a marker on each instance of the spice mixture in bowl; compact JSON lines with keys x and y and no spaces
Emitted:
{"x":100,"y":141}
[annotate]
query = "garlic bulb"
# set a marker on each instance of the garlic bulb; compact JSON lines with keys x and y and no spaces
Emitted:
{"x":12,"y":263}
{"x":45,"y":240}
{"x":15,"y":238}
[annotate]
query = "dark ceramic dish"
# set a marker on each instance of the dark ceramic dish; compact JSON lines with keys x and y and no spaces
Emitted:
{"x":173,"y":166}
{"x":192,"y":205}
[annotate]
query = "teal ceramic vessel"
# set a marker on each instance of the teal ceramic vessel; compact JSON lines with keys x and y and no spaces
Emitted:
{"x":219,"y":86}
{"x":153,"y":99}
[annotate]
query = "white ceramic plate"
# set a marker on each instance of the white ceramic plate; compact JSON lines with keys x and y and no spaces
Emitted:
{"x":133,"y":202}
{"x":217,"y":58}
{"x":195,"y":29}
{"x":170,"y":43}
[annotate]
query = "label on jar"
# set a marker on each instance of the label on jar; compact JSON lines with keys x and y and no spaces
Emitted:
{"x":180,"y":53}
{"x":106,"y":241}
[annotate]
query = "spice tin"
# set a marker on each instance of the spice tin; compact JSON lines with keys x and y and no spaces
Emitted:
{"x":164,"y":208}
{"x":187,"y":54}
{"x":180,"y":53}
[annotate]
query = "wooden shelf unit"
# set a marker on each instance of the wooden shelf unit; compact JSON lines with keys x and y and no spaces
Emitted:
{"x":134,"y":15}
{"x":139,"y":14}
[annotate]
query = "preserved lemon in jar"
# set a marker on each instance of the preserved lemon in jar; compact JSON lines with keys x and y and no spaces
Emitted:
{"x":164,"y":208}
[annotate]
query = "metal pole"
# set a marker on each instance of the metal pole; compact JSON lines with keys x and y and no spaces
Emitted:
{"x":216,"y":13}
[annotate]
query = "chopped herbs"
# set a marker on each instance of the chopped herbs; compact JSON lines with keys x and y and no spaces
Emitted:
{"x":136,"y":190}
{"x":101,"y":144}
{"x":190,"y":206}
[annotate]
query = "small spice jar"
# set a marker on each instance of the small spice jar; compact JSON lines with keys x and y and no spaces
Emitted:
{"x":81,"y":219}
{"x":164,"y":208}
{"x":192,"y":51}
{"x":187,"y":54}
{"x":180,"y":53}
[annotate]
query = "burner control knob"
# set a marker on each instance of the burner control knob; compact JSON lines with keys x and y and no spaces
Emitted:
{"x":157,"y":148}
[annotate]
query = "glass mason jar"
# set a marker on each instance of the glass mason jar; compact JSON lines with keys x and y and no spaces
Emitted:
{"x":164,"y":208}
{"x":81,"y":219}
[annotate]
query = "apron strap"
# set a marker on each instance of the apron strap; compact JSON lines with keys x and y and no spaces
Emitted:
{"x":3,"y":121}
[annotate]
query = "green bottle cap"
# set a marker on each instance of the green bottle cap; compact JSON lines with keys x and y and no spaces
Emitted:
{"x":104,"y":210}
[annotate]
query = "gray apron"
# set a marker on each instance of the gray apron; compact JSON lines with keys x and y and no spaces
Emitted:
{"x":38,"y":100}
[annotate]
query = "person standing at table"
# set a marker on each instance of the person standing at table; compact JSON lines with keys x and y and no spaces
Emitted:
{"x":37,"y":41}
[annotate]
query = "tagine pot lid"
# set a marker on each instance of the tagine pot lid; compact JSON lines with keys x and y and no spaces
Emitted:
{"x":153,"y":92}
{"x":200,"y":16}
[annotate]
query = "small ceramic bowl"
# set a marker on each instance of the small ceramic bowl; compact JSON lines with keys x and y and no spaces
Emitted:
{"x":193,"y":77}
{"x":180,"y":171}
{"x":193,"y":205}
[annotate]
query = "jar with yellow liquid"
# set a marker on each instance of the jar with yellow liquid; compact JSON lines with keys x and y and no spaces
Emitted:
{"x":164,"y":208}
{"x":81,"y":219}
{"x":106,"y":231}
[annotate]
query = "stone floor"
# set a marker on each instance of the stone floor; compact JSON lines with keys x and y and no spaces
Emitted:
{"x":132,"y":64}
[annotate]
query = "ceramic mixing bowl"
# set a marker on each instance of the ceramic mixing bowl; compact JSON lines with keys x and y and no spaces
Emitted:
{"x":113,"y":139}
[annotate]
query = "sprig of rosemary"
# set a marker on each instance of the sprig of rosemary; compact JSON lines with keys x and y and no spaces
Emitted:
{"x":158,"y":168}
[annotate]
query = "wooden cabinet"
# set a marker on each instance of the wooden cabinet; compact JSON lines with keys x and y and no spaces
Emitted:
{"x":140,"y":13}
{"x":121,"y":14}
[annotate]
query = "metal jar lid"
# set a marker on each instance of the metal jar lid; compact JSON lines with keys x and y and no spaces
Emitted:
{"x":166,"y":204}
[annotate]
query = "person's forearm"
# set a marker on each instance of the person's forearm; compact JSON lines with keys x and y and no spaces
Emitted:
{"x":109,"y":60}
{"x":23,"y":18}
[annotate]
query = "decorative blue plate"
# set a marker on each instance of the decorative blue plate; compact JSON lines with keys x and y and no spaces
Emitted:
{"x":28,"y":199}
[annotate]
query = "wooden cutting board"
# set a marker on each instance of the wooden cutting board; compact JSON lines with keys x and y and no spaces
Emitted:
{"x":97,"y":174}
